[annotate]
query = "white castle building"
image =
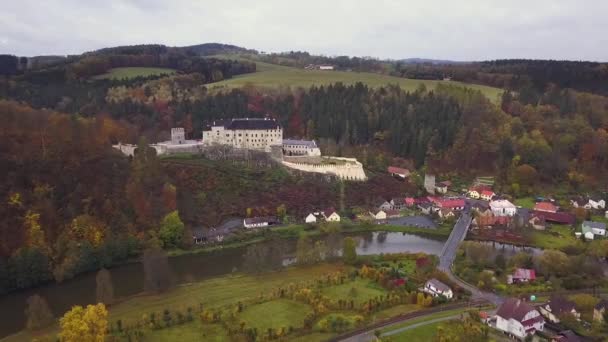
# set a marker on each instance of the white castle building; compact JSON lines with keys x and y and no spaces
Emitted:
{"x":253,"y":134}
{"x":177,"y":144}
{"x":300,"y":148}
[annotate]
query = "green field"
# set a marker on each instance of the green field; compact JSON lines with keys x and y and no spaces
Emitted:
{"x":275,"y":76}
{"x":364,"y":290}
{"x":557,"y":237}
{"x":194,"y":331}
{"x":525,"y":202}
{"x":132,"y":72}
{"x":275,"y":314}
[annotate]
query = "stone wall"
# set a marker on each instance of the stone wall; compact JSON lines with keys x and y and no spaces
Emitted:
{"x":348,"y":169}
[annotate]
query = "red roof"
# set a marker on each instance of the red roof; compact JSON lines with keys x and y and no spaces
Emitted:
{"x":327,"y":212}
{"x":488,"y":193}
{"x":545,"y":206}
{"x":559,"y":217}
{"x":451,"y":203}
{"x":524,"y":273}
{"x":398,"y":170}
{"x":480,"y":188}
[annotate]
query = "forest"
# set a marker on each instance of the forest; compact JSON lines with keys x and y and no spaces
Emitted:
{"x":71,"y":204}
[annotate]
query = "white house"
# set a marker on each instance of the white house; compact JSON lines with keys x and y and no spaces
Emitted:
{"x":606,"y":214}
{"x":503,"y":207}
{"x":518,"y":318}
{"x":558,"y":306}
{"x":326,"y":67}
{"x":487,"y":195}
{"x":436,"y":288}
{"x":597,"y":203}
{"x":300,"y":148}
{"x":595,"y":228}
{"x":379,"y":215}
{"x":311,"y":218}
{"x":385,"y":205}
{"x":331,"y":215}
{"x":398,"y":172}
{"x":247,"y":133}
{"x":258,"y":222}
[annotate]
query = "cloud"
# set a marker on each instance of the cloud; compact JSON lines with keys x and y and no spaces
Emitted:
{"x":471,"y":30}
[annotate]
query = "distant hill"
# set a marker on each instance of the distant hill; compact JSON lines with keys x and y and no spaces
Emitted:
{"x":429,"y":61}
{"x":209,"y":49}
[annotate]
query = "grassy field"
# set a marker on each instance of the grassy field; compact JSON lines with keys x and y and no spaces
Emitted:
{"x":363,"y":291}
{"x":131,"y":72}
{"x":558,"y":237}
{"x":275,"y":76}
{"x":275,"y":314}
{"x":195,"y":331}
{"x":420,"y":334}
{"x":526,"y":202}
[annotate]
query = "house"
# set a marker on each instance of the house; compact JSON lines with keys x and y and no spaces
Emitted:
{"x":475,"y":192}
{"x":557,"y":307}
{"x":596,"y":228}
{"x":566,"y":336}
{"x":410,"y":201}
{"x":537,"y":222}
{"x":379,"y":215}
{"x":599,"y":309}
{"x":480,"y":206}
{"x":597,"y":203}
{"x":398,"y":203}
{"x":442,"y":187}
{"x":606,"y":214}
{"x":446,"y":213}
{"x":558,"y":217}
{"x":450,"y":203}
{"x":311,"y":218}
{"x":579,"y":202}
{"x":521,"y":275}
{"x":503,"y":207}
{"x":384,"y":205}
{"x":436,"y":288}
{"x":393,"y":213}
{"x":546,"y":207}
{"x":326,"y":67}
{"x":491,"y":220}
{"x":398,"y":172}
{"x":331,"y":215}
{"x":258,"y":222}
{"x":294,"y":147}
{"x":518,"y":318}
{"x":425,"y":207}
{"x":487,"y":195}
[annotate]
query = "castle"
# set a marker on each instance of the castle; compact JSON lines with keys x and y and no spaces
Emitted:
{"x":247,"y":133}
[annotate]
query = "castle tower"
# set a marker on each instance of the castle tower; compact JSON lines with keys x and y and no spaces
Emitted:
{"x":178,"y":136}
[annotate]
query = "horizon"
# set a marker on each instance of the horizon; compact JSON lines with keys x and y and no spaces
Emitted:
{"x":477,"y":31}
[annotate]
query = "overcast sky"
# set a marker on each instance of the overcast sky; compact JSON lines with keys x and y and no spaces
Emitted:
{"x":449,"y":29}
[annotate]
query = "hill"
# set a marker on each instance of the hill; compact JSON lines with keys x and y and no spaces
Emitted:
{"x":132,"y":72}
{"x":275,"y":76}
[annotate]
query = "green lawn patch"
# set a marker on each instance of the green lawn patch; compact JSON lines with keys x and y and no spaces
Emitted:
{"x":525,"y":202}
{"x":194,"y":331}
{"x":396,"y":311}
{"x":275,"y":314}
{"x":557,"y":237}
{"x":132,"y":72}
{"x":274,"y":76}
{"x":364,"y":290}
{"x":420,"y":334}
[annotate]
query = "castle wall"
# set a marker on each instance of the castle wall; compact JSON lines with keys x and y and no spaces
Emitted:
{"x":352,"y":170}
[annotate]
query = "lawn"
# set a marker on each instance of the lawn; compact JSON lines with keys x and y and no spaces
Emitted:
{"x":274,"y":76}
{"x":275,"y":314}
{"x":364,"y":291}
{"x":420,"y":334}
{"x":132,"y":72}
{"x":407,"y":266}
{"x":525,"y":202}
{"x":194,"y":331}
{"x":555,"y":238}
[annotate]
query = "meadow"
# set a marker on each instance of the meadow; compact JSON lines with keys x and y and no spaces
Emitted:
{"x":277,"y":76}
{"x":132,"y":72}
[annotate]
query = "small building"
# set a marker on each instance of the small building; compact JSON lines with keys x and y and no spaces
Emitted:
{"x":475,"y":191}
{"x":597,"y":203}
{"x":558,"y":306}
{"x":259,"y":222}
{"x":425,"y":207}
{"x":326,"y":67}
{"x":580,"y":202}
{"x":598,"y":229}
{"x":398,"y":172}
{"x":436,"y":288}
{"x":331,"y":215}
{"x":487,"y":195}
{"x":292,"y":147}
{"x":521,"y":275}
{"x":446,"y":213}
{"x":546,"y":207}
{"x":311,"y":218}
{"x":518,"y":318}
{"x":449,"y":203}
{"x":566,"y":336}
{"x":558,"y":217}
{"x":378,"y":215}
{"x":599,"y":309}
{"x":503,"y":207}
{"x":537,"y":222}
{"x":384,"y":205}
{"x":411,"y":201}
{"x":393,"y":213}
{"x":398,"y":203}
{"x":442,"y":187}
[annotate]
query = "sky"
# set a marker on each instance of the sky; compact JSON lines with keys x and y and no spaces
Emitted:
{"x":458,"y":30}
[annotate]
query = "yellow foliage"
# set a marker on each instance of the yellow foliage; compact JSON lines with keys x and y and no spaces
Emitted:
{"x":35,"y":234}
{"x":15,"y":199}
{"x":86,"y":227}
{"x":86,"y":325}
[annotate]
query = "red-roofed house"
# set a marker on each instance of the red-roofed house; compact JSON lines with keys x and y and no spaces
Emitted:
{"x":475,"y":192}
{"x":518,"y":318}
{"x":398,"y":172}
{"x":521,"y":275}
{"x":331,"y":215}
{"x":487,"y":195}
{"x":547,"y":207}
{"x":410,"y":201}
{"x":454,"y":204}
{"x":558,"y":217}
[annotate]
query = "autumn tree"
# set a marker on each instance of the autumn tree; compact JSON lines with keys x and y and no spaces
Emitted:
{"x":171,"y":230}
{"x":304,"y":250}
{"x":349,"y":250}
{"x":88,"y":324}
{"x":105,"y":289}
{"x":553,"y":262}
{"x":157,"y":274}
{"x":38,"y":313}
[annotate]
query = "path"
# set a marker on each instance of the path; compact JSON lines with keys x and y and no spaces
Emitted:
{"x":419,"y":324}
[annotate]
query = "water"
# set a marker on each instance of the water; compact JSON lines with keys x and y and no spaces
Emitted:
{"x":128,"y":279}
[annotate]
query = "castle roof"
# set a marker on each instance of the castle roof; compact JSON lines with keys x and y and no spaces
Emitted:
{"x":247,"y":123}
{"x":308,"y":143}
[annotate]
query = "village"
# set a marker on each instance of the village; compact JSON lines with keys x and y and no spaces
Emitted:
{"x":487,"y":216}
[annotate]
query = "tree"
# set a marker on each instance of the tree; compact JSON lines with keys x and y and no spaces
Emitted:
{"x":157,"y":275}
{"x":304,"y":250}
{"x":554,"y":262}
{"x":171,"y":230}
{"x":349,"y":250}
{"x":105,"y":289}
{"x":281,"y":212}
{"x":84,"y":324}
{"x":38,"y":313}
